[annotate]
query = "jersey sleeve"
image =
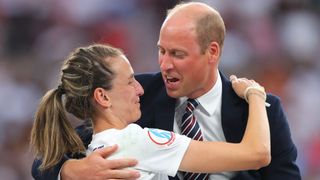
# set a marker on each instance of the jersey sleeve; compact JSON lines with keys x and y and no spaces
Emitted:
{"x":160,"y":151}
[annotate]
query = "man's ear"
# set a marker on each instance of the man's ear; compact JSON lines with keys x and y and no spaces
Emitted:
{"x":213,"y":52}
{"x":101,"y":97}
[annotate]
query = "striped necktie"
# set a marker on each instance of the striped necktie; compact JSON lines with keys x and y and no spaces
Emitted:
{"x":191,"y":128}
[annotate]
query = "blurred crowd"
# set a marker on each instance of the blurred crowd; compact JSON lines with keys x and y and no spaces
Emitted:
{"x":276,"y":42}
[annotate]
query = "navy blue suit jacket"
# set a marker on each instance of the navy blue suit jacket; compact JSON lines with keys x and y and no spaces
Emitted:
{"x":158,"y":111}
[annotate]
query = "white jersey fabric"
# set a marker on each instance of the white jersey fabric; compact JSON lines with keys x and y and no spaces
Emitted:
{"x":159,"y":153}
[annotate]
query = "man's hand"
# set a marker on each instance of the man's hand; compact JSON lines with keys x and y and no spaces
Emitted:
{"x":96,"y":167}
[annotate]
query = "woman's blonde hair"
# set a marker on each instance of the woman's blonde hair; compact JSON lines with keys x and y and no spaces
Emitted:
{"x":85,"y":69}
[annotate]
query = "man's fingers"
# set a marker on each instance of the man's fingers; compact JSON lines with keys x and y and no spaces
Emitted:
{"x":122,"y":163}
{"x":123,"y":174}
{"x":107,"y":151}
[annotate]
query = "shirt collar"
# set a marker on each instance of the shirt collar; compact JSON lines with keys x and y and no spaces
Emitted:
{"x":207,"y":100}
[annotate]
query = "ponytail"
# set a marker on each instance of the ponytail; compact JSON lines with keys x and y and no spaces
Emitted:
{"x":52,"y":135}
{"x":85,"y":69}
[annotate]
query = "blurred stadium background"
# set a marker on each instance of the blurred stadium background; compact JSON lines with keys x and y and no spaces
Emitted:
{"x":276,"y":42}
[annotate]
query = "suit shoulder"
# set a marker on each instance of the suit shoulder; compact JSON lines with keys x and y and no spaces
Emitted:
{"x":148,"y":76}
{"x":273,"y":99}
{"x":150,"y":80}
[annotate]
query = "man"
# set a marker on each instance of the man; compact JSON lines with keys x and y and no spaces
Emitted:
{"x":190,"y":43}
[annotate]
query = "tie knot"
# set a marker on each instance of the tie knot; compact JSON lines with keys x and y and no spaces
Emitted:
{"x":192,"y":104}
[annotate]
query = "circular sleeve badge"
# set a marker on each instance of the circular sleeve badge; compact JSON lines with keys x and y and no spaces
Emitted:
{"x":161,"y":137}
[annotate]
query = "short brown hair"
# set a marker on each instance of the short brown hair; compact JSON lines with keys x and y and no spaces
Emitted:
{"x":209,"y":26}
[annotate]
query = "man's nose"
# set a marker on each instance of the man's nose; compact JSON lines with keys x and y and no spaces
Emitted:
{"x":165,"y":62}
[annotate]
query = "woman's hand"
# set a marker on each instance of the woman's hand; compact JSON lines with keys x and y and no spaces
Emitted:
{"x":242,"y":86}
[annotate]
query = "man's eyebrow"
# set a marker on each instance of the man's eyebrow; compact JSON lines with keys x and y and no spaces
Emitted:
{"x":172,"y":49}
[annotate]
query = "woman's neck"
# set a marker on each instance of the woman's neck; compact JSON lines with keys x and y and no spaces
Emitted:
{"x":101,"y":124}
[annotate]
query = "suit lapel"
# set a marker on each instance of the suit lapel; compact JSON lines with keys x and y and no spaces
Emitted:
{"x":164,"y":113}
{"x":234,"y":112}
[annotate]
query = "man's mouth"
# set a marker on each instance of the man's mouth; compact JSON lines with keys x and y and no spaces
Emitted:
{"x":170,"y":79}
{"x":171,"y":82}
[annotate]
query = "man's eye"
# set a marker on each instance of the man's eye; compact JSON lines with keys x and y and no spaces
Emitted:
{"x":178,"y":54}
{"x":161,"y":51}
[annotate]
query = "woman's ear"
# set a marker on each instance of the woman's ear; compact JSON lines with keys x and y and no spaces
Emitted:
{"x":101,"y":97}
{"x":214,"y":52}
